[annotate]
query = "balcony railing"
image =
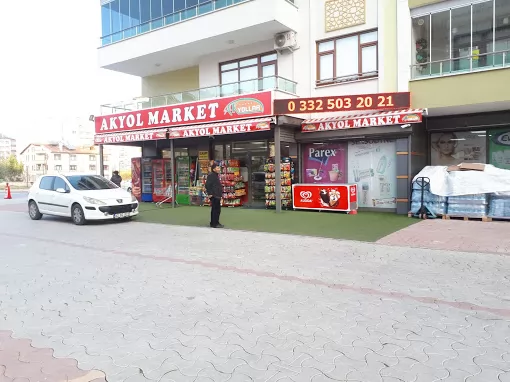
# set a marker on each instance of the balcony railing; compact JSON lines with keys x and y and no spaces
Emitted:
{"x":224,"y":90}
{"x":172,"y":18}
{"x":466,"y":64}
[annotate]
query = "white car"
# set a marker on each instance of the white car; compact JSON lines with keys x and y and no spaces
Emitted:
{"x":80,"y":197}
{"x":127,"y":185}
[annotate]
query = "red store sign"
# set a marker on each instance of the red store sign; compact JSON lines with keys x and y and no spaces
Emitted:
{"x":192,"y":113}
{"x":333,"y":197}
{"x":367,"y":120}
{"x":244,"y":126}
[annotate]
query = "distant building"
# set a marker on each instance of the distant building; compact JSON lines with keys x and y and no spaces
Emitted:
{"x":52,"y":159}
{"x":7,"y":146}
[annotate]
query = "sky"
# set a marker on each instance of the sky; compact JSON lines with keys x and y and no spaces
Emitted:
{"x":49,"y":75}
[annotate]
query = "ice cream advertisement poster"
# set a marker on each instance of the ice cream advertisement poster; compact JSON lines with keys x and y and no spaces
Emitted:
{"x":325,"y":163}
{"x":372,"y":166}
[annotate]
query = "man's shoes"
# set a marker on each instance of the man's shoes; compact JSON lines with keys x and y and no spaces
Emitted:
{"x":219,"y":226}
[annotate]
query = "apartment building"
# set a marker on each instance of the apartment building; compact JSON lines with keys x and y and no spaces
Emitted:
{"x":211,"y":70}
{"x":51,"y":159}
{"x":7,"y":146}
{"x":460,"y":65}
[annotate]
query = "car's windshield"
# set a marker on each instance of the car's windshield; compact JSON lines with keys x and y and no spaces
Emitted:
{"x":90,"y":182}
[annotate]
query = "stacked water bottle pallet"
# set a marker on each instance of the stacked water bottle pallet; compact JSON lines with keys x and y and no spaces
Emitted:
{"x":499,"y":207}
{"x":434,"y":203}
{"x":468,"y":207}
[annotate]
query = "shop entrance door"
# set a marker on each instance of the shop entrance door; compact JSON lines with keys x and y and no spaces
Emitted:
{"x":253,"y":156}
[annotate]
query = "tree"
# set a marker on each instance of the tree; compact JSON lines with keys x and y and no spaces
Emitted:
{"x":10,"y":168}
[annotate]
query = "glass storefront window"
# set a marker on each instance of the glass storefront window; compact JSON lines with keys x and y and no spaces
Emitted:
{"x":372,"y":166}
{"x":450,"y":148}
{"x":325,"y":163}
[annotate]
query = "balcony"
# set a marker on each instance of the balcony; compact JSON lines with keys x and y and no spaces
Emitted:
{"x":461,"y":65}
{"x":180,"y":39}
{"x":276,"y":83}
{"x":462,"y":85}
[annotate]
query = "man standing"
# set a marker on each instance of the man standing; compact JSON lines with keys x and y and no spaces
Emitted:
{"x":214,"y":191}
{"x":116,"y":178}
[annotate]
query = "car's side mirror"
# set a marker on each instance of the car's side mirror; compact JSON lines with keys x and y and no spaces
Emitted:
{"x":61,"y":191}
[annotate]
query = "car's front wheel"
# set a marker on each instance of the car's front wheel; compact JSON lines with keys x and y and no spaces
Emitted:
{"x":33,"y":211}
{"x":77,"y":215}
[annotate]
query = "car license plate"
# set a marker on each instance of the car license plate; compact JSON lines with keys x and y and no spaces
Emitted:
{"x":120,"y":216}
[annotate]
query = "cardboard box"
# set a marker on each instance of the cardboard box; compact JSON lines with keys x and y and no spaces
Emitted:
{"x":453,"y":168}
{"x":472,"y":167}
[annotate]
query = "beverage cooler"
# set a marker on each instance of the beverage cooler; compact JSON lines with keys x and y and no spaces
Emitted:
{"x":183,"y":179}
{"x":147,"y":180}
{"x":162,"y":179}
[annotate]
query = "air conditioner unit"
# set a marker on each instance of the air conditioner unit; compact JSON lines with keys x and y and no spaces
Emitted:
{"x":285,"y":41}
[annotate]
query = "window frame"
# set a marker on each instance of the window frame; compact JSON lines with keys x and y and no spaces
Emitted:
{"x":259,"y":65}
{"x":359,"y":76}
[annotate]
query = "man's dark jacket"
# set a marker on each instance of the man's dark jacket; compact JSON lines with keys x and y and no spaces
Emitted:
{"x":213,"y":185}
{"x":117,"y":179}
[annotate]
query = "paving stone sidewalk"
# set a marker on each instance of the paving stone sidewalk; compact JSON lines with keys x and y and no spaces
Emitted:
{"x":144,"y":302}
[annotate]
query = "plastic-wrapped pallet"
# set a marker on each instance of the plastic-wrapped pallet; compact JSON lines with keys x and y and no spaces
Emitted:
{"x":474,"y":205}
{"x":499,"y":206}
{"x":435,"y":203}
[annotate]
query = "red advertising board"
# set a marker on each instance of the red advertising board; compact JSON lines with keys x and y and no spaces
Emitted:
{"x":322,"y":197}
{"x":192,"y":113}
{"x":358,"y":102}
{"x":136,"y":178}
{"x":368,"y":120}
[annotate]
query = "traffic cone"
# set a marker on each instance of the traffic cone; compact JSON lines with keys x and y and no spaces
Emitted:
{"x":353,"y":212}
{"x":8,"y":191}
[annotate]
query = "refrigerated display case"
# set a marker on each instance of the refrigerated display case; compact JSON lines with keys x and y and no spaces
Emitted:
{"x":146,"y":180}
{"x":183,"y":179}
{"x":162,"y":178}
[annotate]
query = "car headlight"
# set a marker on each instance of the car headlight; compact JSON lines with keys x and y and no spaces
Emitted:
{"x":133,"y":198}
{"x":93,"y":201}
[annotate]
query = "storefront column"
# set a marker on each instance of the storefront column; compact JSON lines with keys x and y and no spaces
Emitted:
{"x":174,"y":193}
{"x":278,"y":170}
{"x":101,"y":160}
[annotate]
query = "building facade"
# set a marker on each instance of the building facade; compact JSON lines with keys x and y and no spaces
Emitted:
{"x":460,"y":57}
{"x":7,"y":147}
{"x":52,"y":159}
{"x":450,"y":55}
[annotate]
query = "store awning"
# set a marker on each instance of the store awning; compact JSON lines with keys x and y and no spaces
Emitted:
{"x":225,"y":128}
{"x":354,"y":121}
{"x":206,"y":130}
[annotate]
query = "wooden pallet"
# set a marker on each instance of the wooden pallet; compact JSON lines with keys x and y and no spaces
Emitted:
{"x":467,"y":218}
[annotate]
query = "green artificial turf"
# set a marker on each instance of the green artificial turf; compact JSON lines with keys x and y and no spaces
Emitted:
{"x":365,"y":226}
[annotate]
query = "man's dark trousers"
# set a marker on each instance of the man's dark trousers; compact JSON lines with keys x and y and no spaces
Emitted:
{"x":215,"y":211}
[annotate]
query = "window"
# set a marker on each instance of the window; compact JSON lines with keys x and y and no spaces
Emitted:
{"x":58,"y":167}
{"x":92,"y":157}
{"x":46,"y":183}
{"x":90,"y":182}
{"x":249,"y":74}
{"x":348,"y":58}
{"x":462,"y":39}
{"x":73,"y":168}
{"x":60,"y":183}
{"x":92,"y":167}
{"x":72,"y":158}
{"x":57,"y":156}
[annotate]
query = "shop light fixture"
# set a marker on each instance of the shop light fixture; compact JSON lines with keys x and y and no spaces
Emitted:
{"x":406,"y":126}
{"x":478,"y":132}
{"x":457,"y":139}
{"x":482,"y":135}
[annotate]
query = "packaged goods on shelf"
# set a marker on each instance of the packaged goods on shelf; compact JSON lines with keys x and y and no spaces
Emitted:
{"x":234,"y":187}
{"x":469,"y":199}
{"x":467,"y":209}
{"x":287,"y":177}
